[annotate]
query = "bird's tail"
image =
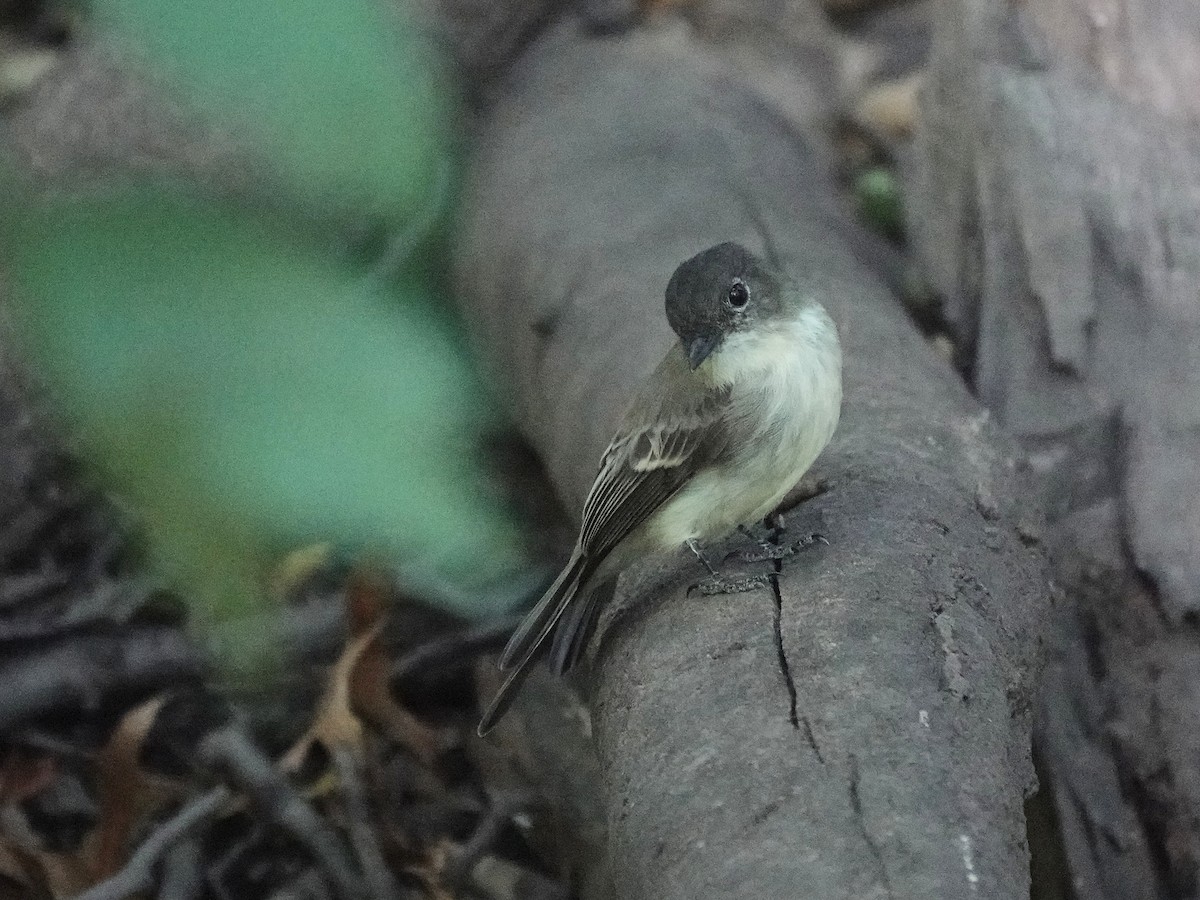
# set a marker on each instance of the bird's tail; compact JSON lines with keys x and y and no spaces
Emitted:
{"x":574,"y":631}
{"x":532,"y":633}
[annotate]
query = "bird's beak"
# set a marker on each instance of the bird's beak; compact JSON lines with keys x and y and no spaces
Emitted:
{"x":699,"y":350}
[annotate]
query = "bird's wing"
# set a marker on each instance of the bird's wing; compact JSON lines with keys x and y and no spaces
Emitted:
{"x":661,"y":444}
{"x":675,"y":427}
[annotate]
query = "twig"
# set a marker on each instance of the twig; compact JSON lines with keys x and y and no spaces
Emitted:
{"x":81,"y":669}
{"x":181,"y":875}
{"x":22,"y":589}
{"x":305,"y":886}
{"x":230,"y":750}
{"x":457,"y":647}
{"x":379,"y":877}
{"x":137,"y":875}
{"x":485,"y":835}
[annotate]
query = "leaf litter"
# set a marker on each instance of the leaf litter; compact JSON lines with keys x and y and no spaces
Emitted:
{"x":385,"y":792}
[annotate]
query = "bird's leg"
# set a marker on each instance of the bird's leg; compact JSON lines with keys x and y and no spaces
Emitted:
{"x":776,"y":523}
{"x":700,"y":556}
{"x":715,"y":584}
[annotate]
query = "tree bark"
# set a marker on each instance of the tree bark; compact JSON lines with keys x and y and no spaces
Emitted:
{"x":861,"y":729}
{"x":1056,"y":181}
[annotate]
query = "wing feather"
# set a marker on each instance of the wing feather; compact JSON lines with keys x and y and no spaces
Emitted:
{"x":675,"y":427}
{"x":650,"y":459}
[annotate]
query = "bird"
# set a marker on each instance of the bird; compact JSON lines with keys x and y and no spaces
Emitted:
{"x":742,"y":404}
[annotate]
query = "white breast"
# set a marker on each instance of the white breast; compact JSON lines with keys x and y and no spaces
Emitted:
{"x":789,"y":380}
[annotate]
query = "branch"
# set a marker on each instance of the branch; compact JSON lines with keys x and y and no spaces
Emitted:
{"x":138,"y":874}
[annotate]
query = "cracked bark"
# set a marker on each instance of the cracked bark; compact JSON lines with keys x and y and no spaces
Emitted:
{"x":856,"y":807}
{"x":784,"y":668}
{"x":605,"y":164}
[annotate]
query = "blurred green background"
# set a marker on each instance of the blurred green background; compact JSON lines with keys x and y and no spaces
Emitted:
{"x":254,"y":374}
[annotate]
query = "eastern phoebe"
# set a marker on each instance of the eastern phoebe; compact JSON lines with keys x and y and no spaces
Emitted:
{"x":739,"y":408}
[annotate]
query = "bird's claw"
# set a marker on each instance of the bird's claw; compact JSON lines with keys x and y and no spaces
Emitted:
{"x":782,"y":551}
{"x":710,"y":587}
{"x":808,"y":540}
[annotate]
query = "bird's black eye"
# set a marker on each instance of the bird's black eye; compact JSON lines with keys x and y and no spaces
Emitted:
{"x":738,"y":295}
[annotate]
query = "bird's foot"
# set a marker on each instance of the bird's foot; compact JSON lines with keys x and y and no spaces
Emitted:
{"x":717,"y":584}
{"x":807,"y":541}
{"x":767,"y":546}
{"x":772,"y":550}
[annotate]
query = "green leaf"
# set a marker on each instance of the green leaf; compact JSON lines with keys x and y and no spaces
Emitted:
{"x":247,"y":390}
{"x":880,"y":201}
{"x":343,"y":97}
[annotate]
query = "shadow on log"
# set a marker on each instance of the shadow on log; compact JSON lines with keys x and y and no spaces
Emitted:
{"x":862,"y":729}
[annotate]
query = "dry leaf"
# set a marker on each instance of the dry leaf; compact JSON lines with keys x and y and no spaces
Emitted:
{"x":357,"y":689}
{"x":298,"y":566}
{"x":371,"y":697}
{"x":128,"y":794}
{"x":13,"y":867}
{"x":890,"y":108}
{"x":24,"y":774}
{"x":431,"y":870}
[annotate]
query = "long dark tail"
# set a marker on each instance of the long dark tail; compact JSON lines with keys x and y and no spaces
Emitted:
{"x":573,"y":633}
{"x":523,"y":646}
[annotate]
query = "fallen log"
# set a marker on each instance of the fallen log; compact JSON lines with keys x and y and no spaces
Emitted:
{"x":861,"y":728}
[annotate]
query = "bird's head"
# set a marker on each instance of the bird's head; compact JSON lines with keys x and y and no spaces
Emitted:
{"x":720,"y":292}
